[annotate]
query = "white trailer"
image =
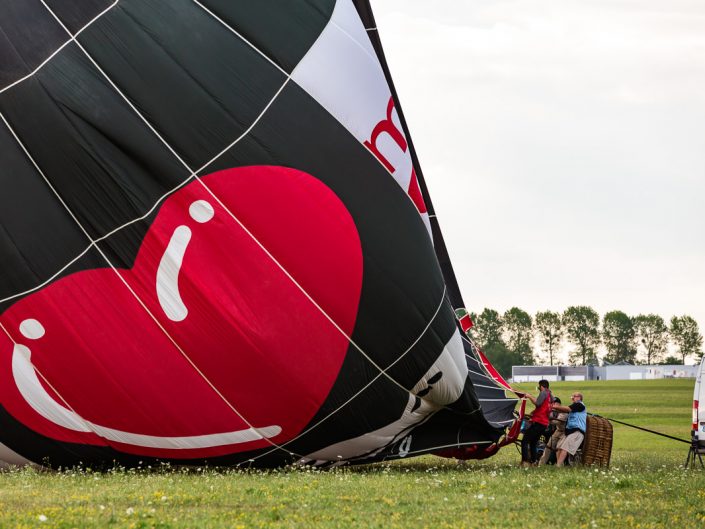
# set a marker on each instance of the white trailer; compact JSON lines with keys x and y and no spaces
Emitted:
{"x":699,"y":405}
{"x":697,"y":448}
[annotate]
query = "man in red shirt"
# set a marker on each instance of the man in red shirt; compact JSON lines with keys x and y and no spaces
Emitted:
{"x":538,"y":424}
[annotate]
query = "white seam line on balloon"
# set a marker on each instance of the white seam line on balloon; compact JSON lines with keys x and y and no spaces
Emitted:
{"x":475,"y":360}
{"x":480,"y":374}
{"x":240,"y":36}
{"x":488,"y":375}
{"x":122,"y":280}
{"x":157,"y":203}
{"x":361,"y":390}
{"x":488,"y":387}
{"x":49,"y":384}
{"x":50,"y":279}
{"x":374,"y":58}
{"x":45,"y":61}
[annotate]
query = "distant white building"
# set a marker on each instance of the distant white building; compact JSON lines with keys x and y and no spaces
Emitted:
{"x":609,"y":372}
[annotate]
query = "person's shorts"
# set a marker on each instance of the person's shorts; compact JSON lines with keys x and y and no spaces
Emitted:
{"x":571,"y":443}
{"x":554,"y":440}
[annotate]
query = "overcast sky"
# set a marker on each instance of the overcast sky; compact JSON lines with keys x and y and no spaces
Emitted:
{"x":563,"y":143}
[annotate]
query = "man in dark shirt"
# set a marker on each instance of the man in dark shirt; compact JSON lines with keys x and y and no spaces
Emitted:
{"x":574,"y":428}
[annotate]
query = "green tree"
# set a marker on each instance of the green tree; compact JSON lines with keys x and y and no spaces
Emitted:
{"x":619,"y":337}
{"x":502,"y":358}
{"x":652,"y":334}
{"x":488,"y":329}
{"x":549,"y":327}
{"x":686,"y":336}
{"x":670,"y":361}
{"x":488,"y":333}
{"x":581,"y":326}
{"x":518,"y":334}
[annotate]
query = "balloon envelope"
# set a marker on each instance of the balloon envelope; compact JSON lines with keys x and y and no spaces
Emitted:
{"x":217,"y":244}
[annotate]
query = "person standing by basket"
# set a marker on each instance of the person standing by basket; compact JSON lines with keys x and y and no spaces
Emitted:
{"x":538,"y":424}
{"x":574,"y":428}
{"x":558,"y":421}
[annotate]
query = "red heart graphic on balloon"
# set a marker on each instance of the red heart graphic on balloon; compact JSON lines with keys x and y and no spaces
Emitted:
{"x":219,"y":339}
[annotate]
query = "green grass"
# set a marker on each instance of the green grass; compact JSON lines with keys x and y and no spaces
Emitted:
{"x":646,"y":486}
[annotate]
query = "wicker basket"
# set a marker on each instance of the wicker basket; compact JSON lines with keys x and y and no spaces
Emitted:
{"x":597,"y":446}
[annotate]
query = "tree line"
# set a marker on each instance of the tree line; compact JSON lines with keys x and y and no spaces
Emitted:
{"x":509,"y":339}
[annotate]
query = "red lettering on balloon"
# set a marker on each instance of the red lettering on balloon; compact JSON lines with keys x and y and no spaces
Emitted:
{"x":386,"y":126}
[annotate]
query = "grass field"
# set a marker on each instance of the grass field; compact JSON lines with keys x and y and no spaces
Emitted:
{"x":646,"y":486}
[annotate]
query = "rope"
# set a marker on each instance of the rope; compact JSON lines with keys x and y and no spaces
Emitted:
{"x":643,"y":429}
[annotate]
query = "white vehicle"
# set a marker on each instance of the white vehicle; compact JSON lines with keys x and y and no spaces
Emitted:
{"x":697,"y":447}
{"x":699,"y":406}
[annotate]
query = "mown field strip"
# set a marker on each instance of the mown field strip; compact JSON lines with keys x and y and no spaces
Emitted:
{"x":645,"y":487}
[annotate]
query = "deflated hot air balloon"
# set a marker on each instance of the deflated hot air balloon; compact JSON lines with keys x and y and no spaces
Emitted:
{"x":216,"y":244}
